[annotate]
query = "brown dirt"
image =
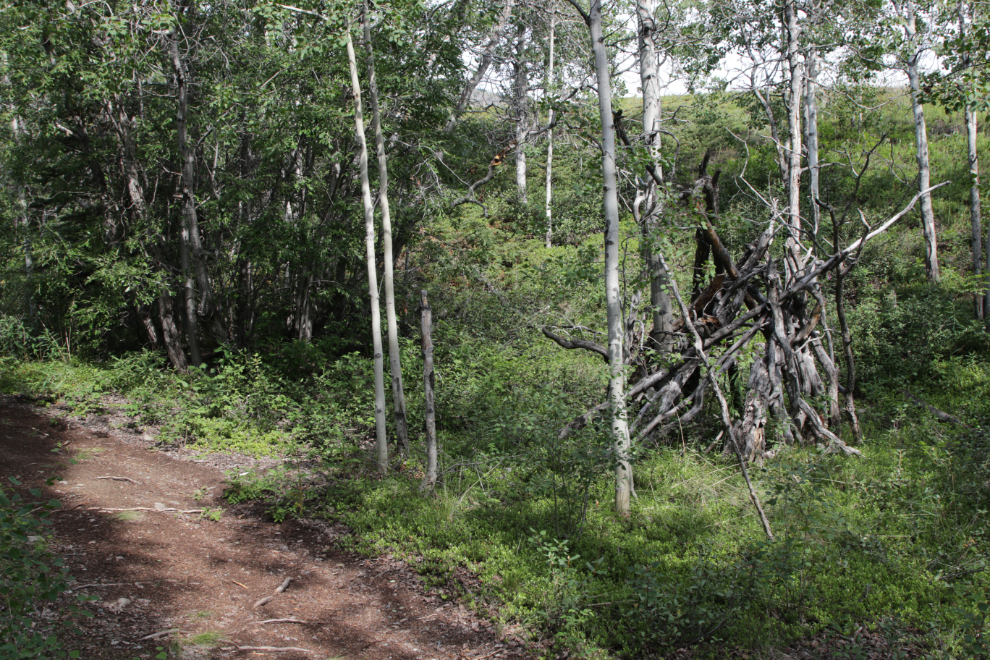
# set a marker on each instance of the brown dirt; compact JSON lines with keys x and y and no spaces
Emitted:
{"x":157,"y":571}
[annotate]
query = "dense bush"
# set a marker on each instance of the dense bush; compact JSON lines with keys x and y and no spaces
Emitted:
{"x":31,"y":579}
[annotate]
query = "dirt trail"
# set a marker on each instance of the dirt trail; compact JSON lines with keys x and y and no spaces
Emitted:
{"x":158,"y":571}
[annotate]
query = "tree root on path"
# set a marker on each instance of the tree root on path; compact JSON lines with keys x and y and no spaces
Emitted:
{"x":271,"y":649}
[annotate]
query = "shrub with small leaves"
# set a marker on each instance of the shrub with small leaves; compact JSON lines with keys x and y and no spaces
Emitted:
{"x":31,"y":578}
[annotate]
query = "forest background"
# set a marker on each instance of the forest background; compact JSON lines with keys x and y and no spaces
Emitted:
{"x":192,"y":219}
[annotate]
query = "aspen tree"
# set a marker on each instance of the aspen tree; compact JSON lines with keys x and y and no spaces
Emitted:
{"x":369,"y":239}
{"x":616,"y":363}
{"x":394,"y":358}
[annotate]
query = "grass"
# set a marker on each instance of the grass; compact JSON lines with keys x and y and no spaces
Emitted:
{"x":129,"y":516}
{"x":893,"y":541}
{"x":87,"y":454}
{"x":208,"y":638}
{"x":855,"y":545}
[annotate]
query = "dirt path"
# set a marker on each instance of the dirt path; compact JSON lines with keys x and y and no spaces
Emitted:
{"x":159,"y":571}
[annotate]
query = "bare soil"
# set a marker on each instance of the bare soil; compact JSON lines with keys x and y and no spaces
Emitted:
{"x":195,"y":582}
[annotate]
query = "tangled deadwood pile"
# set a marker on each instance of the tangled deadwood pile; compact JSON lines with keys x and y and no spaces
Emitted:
{"x":770,"y":302}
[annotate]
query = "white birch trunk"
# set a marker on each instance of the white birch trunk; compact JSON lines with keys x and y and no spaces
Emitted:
{"x":974,"y":180}
{"x":549,"y":185}
{"x":430,"y":420}
{"x":650,"y":82}
{"x":811,"y":129}
{"x":795,"y":68}
{"x":522,"y":111}
{"x":394,"y":357}
{"x":617,"y":382}
{"x":921,"y":144}
{"x":369,"y":239}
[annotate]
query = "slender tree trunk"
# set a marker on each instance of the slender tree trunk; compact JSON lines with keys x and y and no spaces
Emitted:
{"x":811,"y":128}
{"x":986,"y":296}
{"x":921,"y":144}
{"x":171,"y":336}
{"x":485,"y":61}
{"x":189,"y":296}
{"x":24,"y":221}
{"x":394,"y":357}
{"x":187,"y":153}
{"x":650,"y":81}
{"x":170,"y":331}
{"x":521,"y":87}
{"x":426,"y":323}
{"x":617,"y":382}
{"x":974,"y":204}
{"x":840,"y":309}
{"x":550,"y":141}
{"x":369,"y":239}
{"x":189,"y":221}
{"x":148,"y":324}
{"x":974,"y":179}
{"x":794,"y":102}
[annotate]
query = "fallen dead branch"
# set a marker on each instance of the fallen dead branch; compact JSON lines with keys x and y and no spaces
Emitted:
{"x":146,"y":508}
{"x":267,"y":599}
{"x":481,"y":657}
{"x":159,"y":635}
{"x":758,"y":309}
{"x":261,"y":623}
{"x":273,"y":649}
{"x":120,"y":479}
{"x":941,"y":415}
{"x":100,"y":584}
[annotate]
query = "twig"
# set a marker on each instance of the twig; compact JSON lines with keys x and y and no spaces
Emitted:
{"x":267,"y":599}
{"x":239,"y":584}
{"x":120,"y":479}
{"x":146,"y":508}
{"x":482,"y":657}
{"x":726,"y":421}
{"x":157,"y":635}
{"x":99,"y":584}
{"x":939,"y":414}
{"x":273,"y":649}
{"x":261,"y":623}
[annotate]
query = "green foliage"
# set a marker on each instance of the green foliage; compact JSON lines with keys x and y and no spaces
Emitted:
{"x":31,"y":579}
{"x":902,"y":336}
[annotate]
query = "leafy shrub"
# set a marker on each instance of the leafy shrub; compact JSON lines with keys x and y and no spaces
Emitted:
{"x":17,"y":340}
{"x":899,"y":338}
{"x":30,"y":578}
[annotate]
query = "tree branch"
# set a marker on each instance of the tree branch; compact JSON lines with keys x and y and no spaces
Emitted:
{"x":576,"y":343}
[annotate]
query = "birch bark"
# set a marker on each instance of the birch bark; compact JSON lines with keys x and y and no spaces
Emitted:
{"x":650,"y":82}
{"x":616,"y":362}
{"x":974,"y":178}
{"x":369,"y":239}
{"x":426,"y":324}
{"x":921,"y":144}
{"x":549,"y":186}
{"x":394,"y":357}
{"x":795,"y":68}
{"x":521,"y":88}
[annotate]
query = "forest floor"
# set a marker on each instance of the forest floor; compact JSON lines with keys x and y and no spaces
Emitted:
{"x":184,"y":581}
